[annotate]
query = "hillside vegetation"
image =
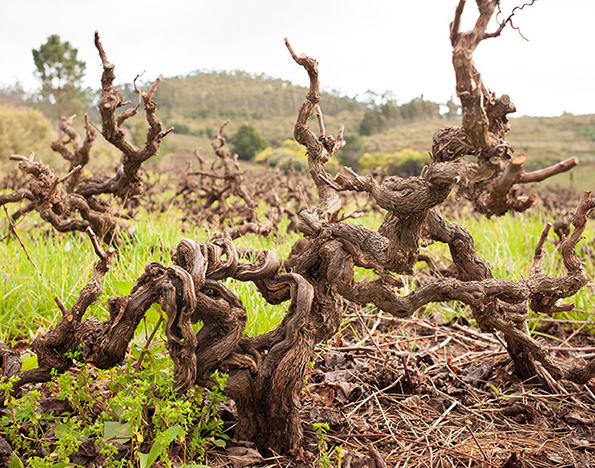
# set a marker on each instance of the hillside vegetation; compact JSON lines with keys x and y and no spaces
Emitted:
{"x":545,"y":140}
{"x":197,"y":104}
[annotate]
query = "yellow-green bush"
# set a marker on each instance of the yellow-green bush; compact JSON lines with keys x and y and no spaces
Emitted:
{"x":403,"y":163}
{"x":290,"y":153}
{"x":23,"y":131}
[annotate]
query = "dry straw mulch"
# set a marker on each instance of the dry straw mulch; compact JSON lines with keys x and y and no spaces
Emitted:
{"x":420,"y":393}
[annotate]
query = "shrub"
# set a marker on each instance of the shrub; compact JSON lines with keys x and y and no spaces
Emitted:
{"x":403,"y":163}
{"x":22,"y":131}
{"x":247,"y":142}
{"x":290,"y":153}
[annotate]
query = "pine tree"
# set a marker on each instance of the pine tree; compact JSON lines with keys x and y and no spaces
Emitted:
{"x":60,"y":73}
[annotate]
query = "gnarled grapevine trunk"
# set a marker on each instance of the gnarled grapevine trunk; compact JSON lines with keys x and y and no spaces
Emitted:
{"x":63,"y":208}
{"x":412,"y":212}
{"x":266,"y":372}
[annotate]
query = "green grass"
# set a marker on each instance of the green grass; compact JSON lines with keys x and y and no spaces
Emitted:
{"x":27,"y":293}
{"x":63,"y":268}
{"x":64,"y":264}
{"x":507,"y":243}
{"x":580,"y":178}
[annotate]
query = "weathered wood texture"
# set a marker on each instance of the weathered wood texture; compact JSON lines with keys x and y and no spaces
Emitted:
{"x":80,"y":198}
{"x":266,"y":372}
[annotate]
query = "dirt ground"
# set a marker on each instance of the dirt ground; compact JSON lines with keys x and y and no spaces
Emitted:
{"x":425,"y":392}
{"x":420,"y":393}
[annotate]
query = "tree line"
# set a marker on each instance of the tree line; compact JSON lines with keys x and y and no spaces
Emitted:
{"x":203,"y":94}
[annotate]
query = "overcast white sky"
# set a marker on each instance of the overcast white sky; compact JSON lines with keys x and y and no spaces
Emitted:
{"x":398,"y":45}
